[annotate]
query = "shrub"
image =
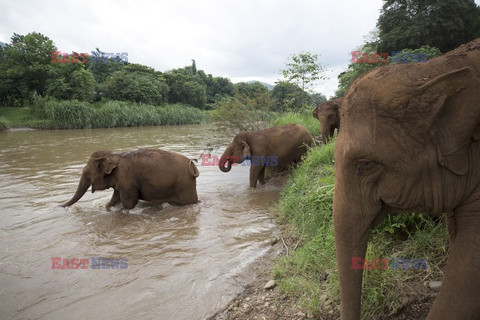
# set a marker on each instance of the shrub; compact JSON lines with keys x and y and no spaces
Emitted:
{"x":305,"y":119}
{"x":4,"y":125}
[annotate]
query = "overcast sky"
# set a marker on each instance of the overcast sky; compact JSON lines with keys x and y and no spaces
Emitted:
{"x":239,"y":39}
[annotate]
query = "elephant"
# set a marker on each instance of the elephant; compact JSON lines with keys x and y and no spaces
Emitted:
{"x":156,"y":176}
{"x":328,"y":115}
{"x":410,"y":142}
{"x":276,"y":146}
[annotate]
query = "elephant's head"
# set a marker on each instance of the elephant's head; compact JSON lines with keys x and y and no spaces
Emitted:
{"x":328,"y":115}
{"x":236,"y":152}
{"x":404,"y":147}
{"x":96,"y":174}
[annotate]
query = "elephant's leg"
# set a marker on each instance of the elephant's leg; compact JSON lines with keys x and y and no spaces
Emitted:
{"x":186,"y":196}
{"x":459,"y":297}
{"x":129,"y":198}
{"x":114,"y":200}
{"x":261,"y":177}
{"x":451,"y":226}
{"x":254,"y":175}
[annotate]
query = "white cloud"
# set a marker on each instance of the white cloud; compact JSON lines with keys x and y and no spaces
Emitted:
{"x":241,"y":40}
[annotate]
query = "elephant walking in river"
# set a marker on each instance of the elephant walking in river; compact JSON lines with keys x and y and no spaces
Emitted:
{"x":153,"y":175}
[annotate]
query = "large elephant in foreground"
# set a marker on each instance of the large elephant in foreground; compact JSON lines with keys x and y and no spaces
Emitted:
{"x":153,"y":175}
{"x":410,"y":143}
{"x":328,"y":115}
{"x":276,"y":146}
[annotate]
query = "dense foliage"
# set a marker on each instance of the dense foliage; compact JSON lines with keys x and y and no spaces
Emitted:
{"x":443,"y":24}
{"x":76,"y":89}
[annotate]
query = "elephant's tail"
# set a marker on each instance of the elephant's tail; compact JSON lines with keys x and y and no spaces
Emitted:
{"x":192,"y":168}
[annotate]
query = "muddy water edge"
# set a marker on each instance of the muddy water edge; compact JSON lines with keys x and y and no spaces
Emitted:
{"x":181,"y":262}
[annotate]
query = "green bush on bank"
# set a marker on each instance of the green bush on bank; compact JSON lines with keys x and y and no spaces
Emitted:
{"x":306,"y":119}
{"x":74,"y":114}
{"x":4,"y":125}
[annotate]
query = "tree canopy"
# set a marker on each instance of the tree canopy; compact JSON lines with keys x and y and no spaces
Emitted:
{"x":443,"y":24}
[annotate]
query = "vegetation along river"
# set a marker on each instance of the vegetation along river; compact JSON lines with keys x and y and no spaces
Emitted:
{"x":179,"y":262}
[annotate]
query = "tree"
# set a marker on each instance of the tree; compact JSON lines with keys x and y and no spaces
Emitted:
{"x":287,"y":96}
{"x":70,"y":81}
{"x":102,"y":66}
{"x":186,"y":87}
{"x":444,"y":24}
{"x":136,"y":87}
{"x":82,"y":84}
{"x":24,"y":67}
{"x":250,"y":89}
{"x":303,"y":70}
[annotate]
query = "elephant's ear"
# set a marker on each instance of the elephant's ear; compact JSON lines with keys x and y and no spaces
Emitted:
{"x":106,"y":165}
{"x":451,"y":103}
{"x":246,"y":150}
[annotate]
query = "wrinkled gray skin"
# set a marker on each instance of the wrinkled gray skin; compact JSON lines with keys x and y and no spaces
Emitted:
{"x":328,"y":115}
{"x":152,"y":175}
{"x":288,"y":142}
{"x":410,"y":142}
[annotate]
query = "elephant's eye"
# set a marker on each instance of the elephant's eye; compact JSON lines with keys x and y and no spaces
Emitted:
{"x":365,"y":167}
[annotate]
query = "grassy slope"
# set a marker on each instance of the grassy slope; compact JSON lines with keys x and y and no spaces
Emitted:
{"x":19,"y":117}
{"x":309,"y":273}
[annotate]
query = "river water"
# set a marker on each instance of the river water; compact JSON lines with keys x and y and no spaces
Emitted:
{"x":183,"y":262}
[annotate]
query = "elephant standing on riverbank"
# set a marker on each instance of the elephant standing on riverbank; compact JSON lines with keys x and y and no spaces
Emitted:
{"x":276,"y":146}
{"x":410,"y":142}
{"x":153,"y":175}
{"x":328,"y":115}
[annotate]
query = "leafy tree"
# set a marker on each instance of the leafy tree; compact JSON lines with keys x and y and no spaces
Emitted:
{"x":235,"y":115}
{"x":303,"y":69}
{"x":24,"y":67}
{"x":317,"y":98}
{"x":70,"y":81}
{"x":217,"y":87}
{"x":135,"y":67}
{"x":186,"y":88}
{"x":444,"y":24}
{"x":82,"y":85}
{"x":136,"y":87}
{"x":287,"y":96}
{"x":102,"y":66}
{"x":194,"y":67}
{"x":250,"y":89}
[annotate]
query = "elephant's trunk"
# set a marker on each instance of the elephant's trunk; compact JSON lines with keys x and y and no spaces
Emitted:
{"x":81,"y":189}
{"x":352,"y":224}
{"x":222,"y":162}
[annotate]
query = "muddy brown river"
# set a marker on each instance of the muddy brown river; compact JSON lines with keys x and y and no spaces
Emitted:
{"x":182,"y":262}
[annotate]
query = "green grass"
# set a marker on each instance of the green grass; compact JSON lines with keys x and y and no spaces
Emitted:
{"x":305,"y":209}
{"x":305,"y":119}
{"x":14,"y":117}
